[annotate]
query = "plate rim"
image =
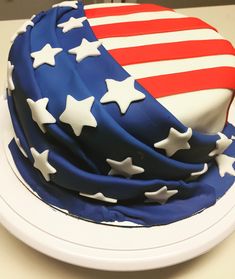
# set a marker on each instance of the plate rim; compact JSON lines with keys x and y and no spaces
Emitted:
{"x":125,"y":260}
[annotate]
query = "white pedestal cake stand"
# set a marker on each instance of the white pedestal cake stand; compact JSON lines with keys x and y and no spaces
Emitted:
{"x":102,"y":246}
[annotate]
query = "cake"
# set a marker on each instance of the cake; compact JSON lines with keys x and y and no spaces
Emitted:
{"x":120,"y":112}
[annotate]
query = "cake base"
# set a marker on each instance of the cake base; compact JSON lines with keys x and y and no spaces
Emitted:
{"x":103,"y":246}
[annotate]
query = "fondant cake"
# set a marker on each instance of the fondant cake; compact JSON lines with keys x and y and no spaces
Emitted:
{"x":120,"y":111}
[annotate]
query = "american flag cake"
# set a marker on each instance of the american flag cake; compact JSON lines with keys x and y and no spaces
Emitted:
{"x":120,"y":111}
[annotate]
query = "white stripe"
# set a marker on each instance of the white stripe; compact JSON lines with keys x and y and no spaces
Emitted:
{"x":141,"y":16}
{"x":107,"y":5}
{"x":208,"y":118}
{"x":179,"y":65}
{"x":168,"y":37}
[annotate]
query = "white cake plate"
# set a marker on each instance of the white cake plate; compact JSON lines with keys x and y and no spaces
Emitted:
{"x":102,"y":246}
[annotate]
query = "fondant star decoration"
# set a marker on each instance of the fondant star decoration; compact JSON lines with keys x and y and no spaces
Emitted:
{"x":23,"y":28}
{"x":233,"y":138}
{"x":45,"y":56}
{"x":204,"y":170}
{"x":64,"y":4}
{"x":10,"y":83}
{"x":160,"y":196}
{"x":175,"y":141}
{"x":85,"y":49}
{"x":124,"y":168}
{"x":122,"y":92}
{"x":17,"y":141}
{"x":40,"y":114}
{"x":78,"y":114}
{"x":221,"y":145}
{"x":41,"y":163}
{"x":99,"y":196}
{"x":225,"y":164}
{"x":72,"y":23}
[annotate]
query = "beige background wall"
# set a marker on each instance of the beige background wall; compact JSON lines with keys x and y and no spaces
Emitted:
{"x":13,"y":9}
{"x":18,"y":9}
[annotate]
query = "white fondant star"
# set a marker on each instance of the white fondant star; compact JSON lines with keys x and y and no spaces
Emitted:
{"x":78,"y":114}
{"x":45,"y":56}
{"x":39,"y":112}
{"x":85,"y":49}
{"x":72,"y":4}
{"x":233,"y":138}
{"x":99,"y":196}
{"x":225,"y":164}
{"x":205,"y":169}
{"x":32,"y":17}
{"x":161,"y":196}
{"x":17,"y":140}
{"x":175,"y":141}
{"x":221,"y":145}
{"x":124,"y":168}
{"x":122,"y":92}
{"x":10,"y":83}
{"x":22,"y":29}
{"x":72,"y":23}
{"x":41,"y":163}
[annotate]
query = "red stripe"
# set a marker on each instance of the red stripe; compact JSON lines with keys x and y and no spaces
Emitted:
{"x":165,"y":85}
{"x":169,"y":51}
{"x":149,"y":27}
{"x":124,"y":10}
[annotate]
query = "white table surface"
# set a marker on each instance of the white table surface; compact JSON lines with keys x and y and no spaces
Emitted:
{"x":17,"y":260}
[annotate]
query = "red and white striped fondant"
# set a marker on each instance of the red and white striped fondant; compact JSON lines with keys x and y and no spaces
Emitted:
{"x":166,"y":52}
